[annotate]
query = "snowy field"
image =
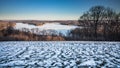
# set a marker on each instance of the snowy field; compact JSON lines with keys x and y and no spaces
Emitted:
{"x":60,"y":54}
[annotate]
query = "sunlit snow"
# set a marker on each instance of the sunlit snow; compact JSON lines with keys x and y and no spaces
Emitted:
{"x":60,"y":54}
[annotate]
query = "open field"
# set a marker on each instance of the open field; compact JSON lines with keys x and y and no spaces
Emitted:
{"x":60,"y":54}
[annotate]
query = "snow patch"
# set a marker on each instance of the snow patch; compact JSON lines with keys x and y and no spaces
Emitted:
{"x":88,"y":63}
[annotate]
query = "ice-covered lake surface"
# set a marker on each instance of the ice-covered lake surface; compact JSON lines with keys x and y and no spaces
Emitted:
{"x":46,"y":29}
{"x":60,"y":54}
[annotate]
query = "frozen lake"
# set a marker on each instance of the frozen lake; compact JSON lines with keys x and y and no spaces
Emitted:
{"x":46,"y":29}
{"x":60,"y":54}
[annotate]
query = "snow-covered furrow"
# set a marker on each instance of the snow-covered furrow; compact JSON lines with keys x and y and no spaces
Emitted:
{"x":60,"y":54}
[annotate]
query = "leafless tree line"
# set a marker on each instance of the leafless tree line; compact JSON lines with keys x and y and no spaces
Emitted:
{"x":99,"y":22}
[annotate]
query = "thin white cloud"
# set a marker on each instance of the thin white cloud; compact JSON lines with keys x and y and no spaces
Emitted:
{"x":39,"y":17}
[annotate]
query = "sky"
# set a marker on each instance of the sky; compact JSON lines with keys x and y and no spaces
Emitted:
{"x":50,"y":9}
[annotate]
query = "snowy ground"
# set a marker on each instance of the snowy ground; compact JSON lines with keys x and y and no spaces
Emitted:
{"x":60,"y":54}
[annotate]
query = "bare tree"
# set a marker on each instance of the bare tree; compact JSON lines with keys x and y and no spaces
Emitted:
{"x":109,"y":17}
{"x":117,"y":17}
{"x":98,"y":14}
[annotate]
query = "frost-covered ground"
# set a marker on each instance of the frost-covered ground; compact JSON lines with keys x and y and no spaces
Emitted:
{"x":60,"y":54}
{"x":46,"y":29}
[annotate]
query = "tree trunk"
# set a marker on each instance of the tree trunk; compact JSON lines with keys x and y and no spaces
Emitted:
{"x":95,"y":31}
{"x":104,"y":31}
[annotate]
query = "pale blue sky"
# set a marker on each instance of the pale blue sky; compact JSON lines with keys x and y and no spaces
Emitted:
{"x":49,"y":9}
